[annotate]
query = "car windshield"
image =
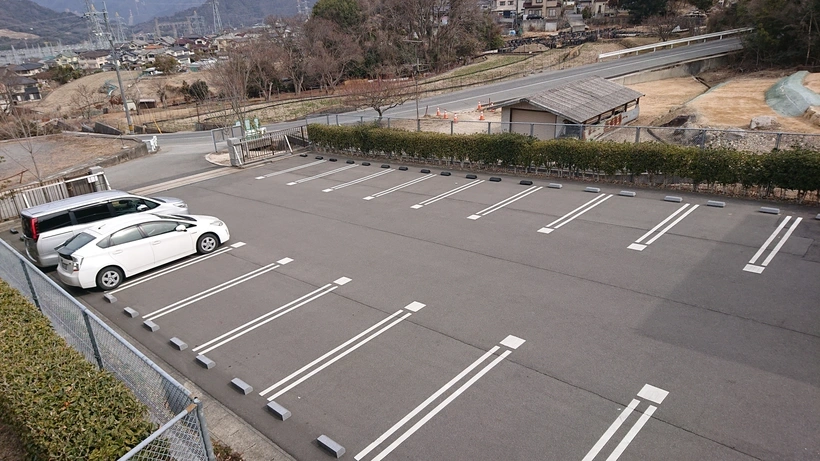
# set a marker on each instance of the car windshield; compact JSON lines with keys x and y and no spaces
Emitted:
{"x":75,"y":243}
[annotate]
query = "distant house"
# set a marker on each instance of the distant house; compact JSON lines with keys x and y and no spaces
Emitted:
{"x":90,"y":60}
{"x":28,"y":69}
{"x":68,"y":58}
{"x":19,"y":89}
{"x":586,"y":109}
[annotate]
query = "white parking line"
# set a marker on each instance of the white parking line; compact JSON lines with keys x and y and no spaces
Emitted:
{"x":549,"y":228}
{"x":444,"y":195}
{"x":648,"y":392}
{"x":505,"y":202}
{"x":400,"y":186}
{"x":263,"y":319}
{"x":175,"y":267}
{"x":751,"y":267}
{"x":414,"y":307}
{"x":511,"y":341}
{"x":214,"y":290}
{"x":321,"y":175}
{"x":277,"y":173}
{"x":360,"y":180}
{"x":638,"y":246}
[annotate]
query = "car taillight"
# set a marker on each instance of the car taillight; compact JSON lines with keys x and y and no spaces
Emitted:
{"x":32,"y":222}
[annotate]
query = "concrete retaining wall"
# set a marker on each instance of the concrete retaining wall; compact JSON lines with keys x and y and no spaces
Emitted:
{"x":684,"y":69}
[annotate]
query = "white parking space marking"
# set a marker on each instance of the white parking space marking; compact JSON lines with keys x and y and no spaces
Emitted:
{"x":512,"y":342}
{"x":653,"y":394}
{"x":569,"y":217}
{"x":175,"y":267}
{"x":277,"y":173}
{"x":360,"y":180}
{"x":337,"y":349}
{"x":505,"y":202}
{"x":400,"y":186}
{"x":638,"y":246}
{"x":444,"y":195}
{"x":214,"y":290}
{"x":752,"y":267}
{"x":321,"y":175}
{"x":269,"y":317}
{"x":648,"y":392}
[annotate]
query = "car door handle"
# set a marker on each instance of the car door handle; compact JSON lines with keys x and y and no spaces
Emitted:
{"x":117,"y":252}
{"x":156,"y":242}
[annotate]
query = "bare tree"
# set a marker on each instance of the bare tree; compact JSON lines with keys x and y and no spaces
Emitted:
{"x":662,"y":26}
{"x":288,"y":39}
{"x":85,"y":99}
{"x":160,"y":87}
{"x":232,"y":76}
{"x":333,"y":52}
{"x":380,"y":95}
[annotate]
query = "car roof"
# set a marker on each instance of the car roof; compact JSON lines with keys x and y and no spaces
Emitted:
{"x":73,"y":202}
{"x":110,"y":225}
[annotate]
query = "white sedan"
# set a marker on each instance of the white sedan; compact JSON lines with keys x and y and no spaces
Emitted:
{"x":105,"y":254}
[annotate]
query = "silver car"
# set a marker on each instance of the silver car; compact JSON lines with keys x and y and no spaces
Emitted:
{"x":47,"y":226}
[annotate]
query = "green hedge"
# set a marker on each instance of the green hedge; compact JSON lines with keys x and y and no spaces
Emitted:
{"x":795,"y":169}
{"x":60,"y":405}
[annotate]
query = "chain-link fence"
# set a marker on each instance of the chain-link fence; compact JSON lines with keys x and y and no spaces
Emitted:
{"x":734,"y":138}
{"x":183,"y":434}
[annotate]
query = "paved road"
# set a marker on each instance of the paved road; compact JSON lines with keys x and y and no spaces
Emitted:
{"x":414,"y":316}
{"x":181,"y":153}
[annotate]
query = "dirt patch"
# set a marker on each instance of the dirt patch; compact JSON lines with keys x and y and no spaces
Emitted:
{"x":17,"y":36}
{"x":664,"y":97}
{"x":54,"y":155}
{"x":11,"y":449}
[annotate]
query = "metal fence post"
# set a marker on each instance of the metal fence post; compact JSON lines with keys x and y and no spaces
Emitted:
{"x":532,"y":129}
{"x":203,"y":429}
{"x":702,"y":138}
{"x":777,"y":141}
{"x":34,"y":297}
{"x":91,"y":337}
{"x":328,"y":119}
{"x":388,"y":122}
{"x":638,"y":135}
{"x":489,"y":127}
{"x":451,"y":127}
{"x":361,"y":120}
{"x":418,"y":124}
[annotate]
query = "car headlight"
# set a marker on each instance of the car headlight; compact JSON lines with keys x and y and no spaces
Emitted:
{"x":218,"y":223}
{"x":181,"y":205}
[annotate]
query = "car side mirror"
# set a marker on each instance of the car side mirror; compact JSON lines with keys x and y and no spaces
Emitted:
{"x":181,"y":228}
{"x":142,"y":207}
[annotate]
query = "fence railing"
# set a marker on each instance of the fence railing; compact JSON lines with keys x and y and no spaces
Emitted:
{"x":745,"y":140}
{"x":15,"y":200}
{"x":183,"y":432}
{"x":673,"y":43}
{"x":259,"y":147}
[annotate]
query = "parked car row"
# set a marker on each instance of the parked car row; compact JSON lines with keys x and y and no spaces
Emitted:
{"x":101,"y":238}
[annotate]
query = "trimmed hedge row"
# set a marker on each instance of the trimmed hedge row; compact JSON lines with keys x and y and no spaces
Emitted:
{"x":60,"y":405}
{"x":795,"y":169}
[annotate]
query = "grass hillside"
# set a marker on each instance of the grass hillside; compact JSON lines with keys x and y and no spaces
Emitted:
{"x":24,"y":16}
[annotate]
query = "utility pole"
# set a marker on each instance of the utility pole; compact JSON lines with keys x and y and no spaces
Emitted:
{"x":416,"y":72}
{"x":116,"y":55}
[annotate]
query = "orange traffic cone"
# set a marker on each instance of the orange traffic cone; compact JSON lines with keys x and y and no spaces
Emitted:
{"x":479,"y":106}
{"x":438,"y":112}
{"x":445,"y":114}
{"x":481,"y":117}
{"x":455,"y":118}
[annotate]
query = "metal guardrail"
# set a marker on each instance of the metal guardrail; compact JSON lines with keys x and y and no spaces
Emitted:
{"x":183,"y":434}
{"x":672,"y":43}
{"x":260,"y":147}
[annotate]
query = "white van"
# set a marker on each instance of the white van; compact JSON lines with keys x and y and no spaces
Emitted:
{"x":47,"y":226}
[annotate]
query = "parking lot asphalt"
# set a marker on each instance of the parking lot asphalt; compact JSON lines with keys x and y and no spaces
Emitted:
{"x":418,"y":316}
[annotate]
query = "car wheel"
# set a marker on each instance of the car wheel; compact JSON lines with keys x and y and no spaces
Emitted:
{"x":109,"y":278}
{"x":207,"y":243}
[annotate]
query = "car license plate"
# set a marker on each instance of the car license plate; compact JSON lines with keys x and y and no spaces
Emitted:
{"x":66,"y":264}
